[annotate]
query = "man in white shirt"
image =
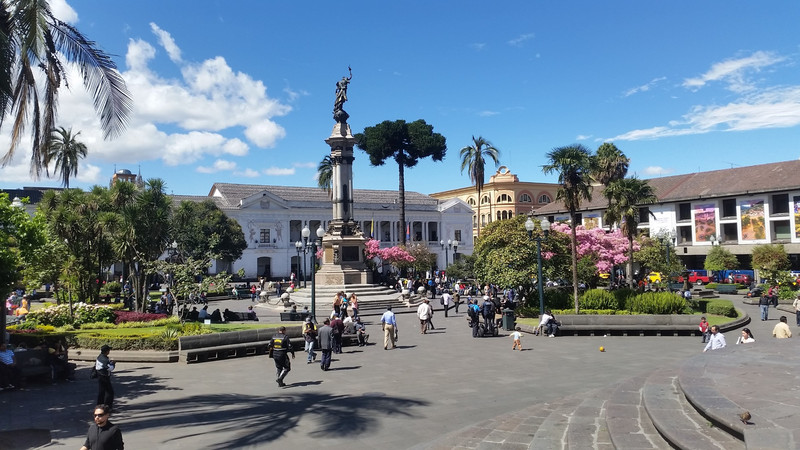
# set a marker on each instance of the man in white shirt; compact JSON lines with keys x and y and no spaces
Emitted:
{"x":389,"y":327}
{"x":716,"y":341}
{"x":424,"y":312}
{"x":796,"y":305}
{"x":447,"y":300}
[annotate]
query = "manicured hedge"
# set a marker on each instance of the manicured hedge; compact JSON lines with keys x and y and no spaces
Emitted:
{"x":599,"y":299}
{"x":721,"y":308}
{"x":58,"y":315}
{"x":657,"y":303}
{"x":135,"y":316}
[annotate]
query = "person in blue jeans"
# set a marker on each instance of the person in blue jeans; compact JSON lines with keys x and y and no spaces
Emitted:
{"x":763,"y":303}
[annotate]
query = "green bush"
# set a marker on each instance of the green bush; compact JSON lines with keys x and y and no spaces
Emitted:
{"x":623,"y":295}
{"x":721,"y":308}
{"x":712,"y":285}
{"x":657,"y":303}
{"x":558,"y":299}
{"x":134,"y":342}
{"x":786,"y":293}
{"x":599,"y":299}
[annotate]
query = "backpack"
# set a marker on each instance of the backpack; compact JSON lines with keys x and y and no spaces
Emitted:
{"x":488,"y":308}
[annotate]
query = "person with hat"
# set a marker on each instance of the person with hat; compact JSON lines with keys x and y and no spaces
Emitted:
{"x":279,"y":348}
{"x":389,"y":327}
{"x":338,"y":329}
{"x":104,"y":366}
{"x":424,"y":312}
{"x":310,"y":336}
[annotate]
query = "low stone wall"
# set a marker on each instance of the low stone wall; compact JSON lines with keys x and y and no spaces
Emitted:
{"x":636,"y":325}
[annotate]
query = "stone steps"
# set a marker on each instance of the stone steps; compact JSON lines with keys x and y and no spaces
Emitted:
{"x":627,"y":420}
{"x":677,"y":420}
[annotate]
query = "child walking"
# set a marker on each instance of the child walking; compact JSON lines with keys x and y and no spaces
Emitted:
{"x":516,"y":335}
{"x":704,"y":329}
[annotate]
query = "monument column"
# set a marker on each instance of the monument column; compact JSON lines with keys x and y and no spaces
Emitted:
{"x":343,"y":243}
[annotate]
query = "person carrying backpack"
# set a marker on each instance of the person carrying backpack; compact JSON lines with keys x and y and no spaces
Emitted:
{"x":488,"y":309}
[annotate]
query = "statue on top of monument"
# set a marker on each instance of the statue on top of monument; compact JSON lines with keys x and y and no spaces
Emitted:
{"x":341,"y":91}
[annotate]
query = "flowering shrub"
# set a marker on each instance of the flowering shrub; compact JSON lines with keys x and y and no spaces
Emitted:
{"x":391,"y":255}
{"x":609,"y":248}
{"x":135,"y":316}
{"x":58,"y":315}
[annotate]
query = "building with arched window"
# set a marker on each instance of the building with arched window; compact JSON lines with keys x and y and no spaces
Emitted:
{"x":502,"y":197}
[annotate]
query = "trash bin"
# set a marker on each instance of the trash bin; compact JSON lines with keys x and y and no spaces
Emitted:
{"x":508,"y":319}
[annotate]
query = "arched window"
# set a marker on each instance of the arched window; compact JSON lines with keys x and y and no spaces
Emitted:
{"x":544,"y":198}
{"x":471,"y":201}
{"x":485,"y":200}
{"x":525,"y":198}
{"x":503,"y":198}
{"x":474,"y":221}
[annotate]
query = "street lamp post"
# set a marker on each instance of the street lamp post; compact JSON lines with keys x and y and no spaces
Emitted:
{"x":455,"y":250}
{"x":173,"y":257}
{"x":300,"y":248}
{"x":529,"y":226}
{"x":446,"y":249}
{"x":317,"y":242}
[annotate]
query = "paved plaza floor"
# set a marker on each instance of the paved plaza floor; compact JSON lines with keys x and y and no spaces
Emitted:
{"x":428,"y":387}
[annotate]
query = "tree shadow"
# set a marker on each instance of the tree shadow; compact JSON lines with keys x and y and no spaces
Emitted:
{"x":254,"y":420}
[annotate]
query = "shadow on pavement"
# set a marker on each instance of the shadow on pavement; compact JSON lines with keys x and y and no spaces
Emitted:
{"x":255,"y":420}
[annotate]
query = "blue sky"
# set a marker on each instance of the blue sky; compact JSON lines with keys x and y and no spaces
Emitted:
{"x":242,"y":91}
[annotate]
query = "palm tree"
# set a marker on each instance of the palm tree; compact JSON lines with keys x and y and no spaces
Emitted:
{"x":325,"y":174}
{"x":32,"y":38}
{"x":406,"y":143}
{"x":573,"y":165}
{"x":65,"y":149}
{"x":626,"y":196}
{"x":610,"y":165}
{"x":473,"y":158}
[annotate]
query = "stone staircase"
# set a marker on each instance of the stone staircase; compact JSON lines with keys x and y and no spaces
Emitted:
{"x":678,"y":407}
{"x":372,"y":299}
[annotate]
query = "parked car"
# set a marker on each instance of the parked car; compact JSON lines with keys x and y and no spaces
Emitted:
{"x":699,"y":277}
{"x":654,"y":277}
{"x":742,"y":278}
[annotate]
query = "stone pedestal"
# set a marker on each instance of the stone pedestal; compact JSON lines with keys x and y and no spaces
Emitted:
{"x":343,"y":243}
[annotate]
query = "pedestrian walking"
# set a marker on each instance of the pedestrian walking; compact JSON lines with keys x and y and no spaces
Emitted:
{"x":389,"y":327}
{"x":104,"y":366}
{"x":763,"y":303}
{"x":310,"y":336}
{"x":424,"y":312}
{"x":279,"y":348}
{"x":325,"y":333}
{"x":704,"y":329}
{"x":796,"y":305}
{"x":102,"y":434}
{"x":338,"y":330}
{"x":717,"y":340}
{"x":447,"y":300}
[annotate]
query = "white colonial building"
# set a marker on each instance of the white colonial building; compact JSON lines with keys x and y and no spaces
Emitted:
{"x":272,"y":218}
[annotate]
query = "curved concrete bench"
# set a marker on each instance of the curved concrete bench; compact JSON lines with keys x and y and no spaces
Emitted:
{"x":204,"y":347}
{"x":633,"y":325}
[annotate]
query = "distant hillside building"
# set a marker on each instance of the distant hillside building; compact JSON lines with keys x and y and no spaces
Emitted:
{"x":502,"y":197}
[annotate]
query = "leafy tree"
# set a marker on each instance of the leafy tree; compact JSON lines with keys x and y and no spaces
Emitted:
{"x":20,"y":239}
{"x":770,"y":260}
{"x":627,"y":197}
{"x":610,"y":164}
{"x":652,"y":255}
{"x":506,"y":256}
{"x":473,"y":159}
{"x":202,"y":229}
{"x":32,"y":38}
{"x":462,"y":268}
{"x":64,"y":148}
{"x":573,"y":165}
{"x":406,"y":143}
{"x":325,"y":173}
{"x":720,"y":258}
{"x":423,"y":258}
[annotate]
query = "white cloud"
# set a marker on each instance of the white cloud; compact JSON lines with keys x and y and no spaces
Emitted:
{"x":278,"y":171}
{"x":219,"y":165}
{"x":88,"y":173}
{"x":735,"y":71}
{"x":657,"y":170}
{"x":519,"y":40}
{"x":305,"y":165}
{"x":63,"y":11}
{"x":249,"y":173}
{"x":487,"y":113}
{"x":771,"y":108}
{"x":643,"y":88}
{"x":478,"y":46}
{"x":583,"y":137}
{"x":167,"y":42}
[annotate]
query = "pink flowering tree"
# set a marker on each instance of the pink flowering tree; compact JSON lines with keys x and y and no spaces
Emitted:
{"x":396,"y":256}
{"x":606,"y":249}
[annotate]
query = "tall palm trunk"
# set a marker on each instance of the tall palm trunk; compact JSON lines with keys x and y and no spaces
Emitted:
{"x":629,"y":275}
{"x":402,"y":189}
{"x":478,"y":188}
{"x":574,"y":243}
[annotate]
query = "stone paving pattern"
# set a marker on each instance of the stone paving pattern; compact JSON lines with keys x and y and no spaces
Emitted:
{"x":441,"y":390}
